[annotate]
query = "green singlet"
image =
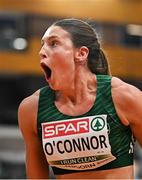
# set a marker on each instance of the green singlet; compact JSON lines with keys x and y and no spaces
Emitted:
{"x":96,"y":140}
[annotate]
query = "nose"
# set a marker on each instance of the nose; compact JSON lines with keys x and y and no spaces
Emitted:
{"x":42,"y":54}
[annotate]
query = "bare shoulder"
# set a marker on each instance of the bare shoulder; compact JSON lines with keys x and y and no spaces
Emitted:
{"x":128,"y":104}
{"x":126,"y":98}
{"x":30,"y":101}
{"x":123,"y":90}
{"x":27,"y":112}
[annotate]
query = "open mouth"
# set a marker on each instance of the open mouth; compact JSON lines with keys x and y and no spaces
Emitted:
{"x":47,"y":70}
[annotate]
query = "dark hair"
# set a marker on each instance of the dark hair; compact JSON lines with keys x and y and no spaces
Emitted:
{"x":83,"y":34}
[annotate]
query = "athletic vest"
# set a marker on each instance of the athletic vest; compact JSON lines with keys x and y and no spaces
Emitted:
{"x":96,"y":140}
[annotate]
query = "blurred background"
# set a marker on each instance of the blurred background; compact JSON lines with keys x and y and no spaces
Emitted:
{"x":22,"y":24}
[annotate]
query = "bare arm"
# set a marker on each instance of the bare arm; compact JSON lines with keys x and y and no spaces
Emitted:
{"x":36,"y":165}
{"x":128,"y":103}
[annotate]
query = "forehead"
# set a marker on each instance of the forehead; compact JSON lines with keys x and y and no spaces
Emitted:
{"x":55,"y":31}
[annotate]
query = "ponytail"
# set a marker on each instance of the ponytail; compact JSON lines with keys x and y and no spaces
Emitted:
{"x":97,"y":62}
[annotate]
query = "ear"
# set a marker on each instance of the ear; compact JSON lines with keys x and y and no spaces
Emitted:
{"x":81,"y":55}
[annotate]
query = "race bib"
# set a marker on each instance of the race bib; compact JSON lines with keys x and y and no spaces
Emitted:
{"x":77,"y":144}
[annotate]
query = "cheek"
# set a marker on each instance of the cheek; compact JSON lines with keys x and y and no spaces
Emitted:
{"x":65,"y":61}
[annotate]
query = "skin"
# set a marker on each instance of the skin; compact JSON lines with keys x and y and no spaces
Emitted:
{"x":75,"y":95}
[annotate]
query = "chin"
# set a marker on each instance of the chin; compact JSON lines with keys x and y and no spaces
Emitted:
{"x":54,"y":86}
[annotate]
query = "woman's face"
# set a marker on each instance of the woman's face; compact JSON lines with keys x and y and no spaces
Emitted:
{"x":57,"y":58}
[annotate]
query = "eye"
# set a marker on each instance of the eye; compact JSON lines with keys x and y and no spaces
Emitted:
{"x":54,"y":43}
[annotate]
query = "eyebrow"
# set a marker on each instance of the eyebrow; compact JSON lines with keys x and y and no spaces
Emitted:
{"x":49,"y":38}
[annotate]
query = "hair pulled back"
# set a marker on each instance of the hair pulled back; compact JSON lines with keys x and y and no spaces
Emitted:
{"x":83,"y":34}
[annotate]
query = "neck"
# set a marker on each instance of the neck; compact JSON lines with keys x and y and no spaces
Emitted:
{"x":83,"y":88}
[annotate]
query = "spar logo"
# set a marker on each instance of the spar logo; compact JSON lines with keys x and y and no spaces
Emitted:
{"x":97,"y":124}
{"x":64,"y":128}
